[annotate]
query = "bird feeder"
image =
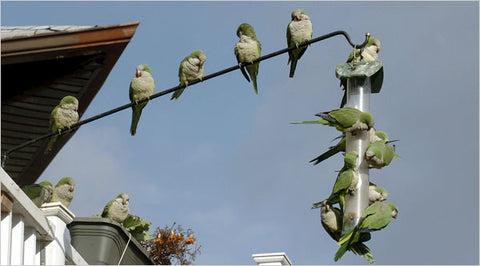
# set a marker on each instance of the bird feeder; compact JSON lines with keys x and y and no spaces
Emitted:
{"x":363,"y":79}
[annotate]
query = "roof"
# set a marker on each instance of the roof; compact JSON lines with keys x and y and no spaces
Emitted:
{"x":41,"y":65}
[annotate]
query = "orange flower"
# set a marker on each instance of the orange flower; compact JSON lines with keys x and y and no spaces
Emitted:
{"x":189,"y":241}
{"x":172,"y":236}
{"x":179,"y":236}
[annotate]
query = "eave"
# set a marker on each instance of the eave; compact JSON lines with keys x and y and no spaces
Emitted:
{"x":39,"y":70}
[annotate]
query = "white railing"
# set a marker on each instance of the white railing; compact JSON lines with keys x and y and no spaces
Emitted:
{"x":31,"y":235}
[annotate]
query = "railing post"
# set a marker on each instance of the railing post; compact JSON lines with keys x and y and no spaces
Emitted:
{"x":6,"y":238}
{"x":18,"y":234}
{"x":279,"y":258}
{"x":358,"y":96}
{"x":58,"y":216}
{"x":30,"y":247}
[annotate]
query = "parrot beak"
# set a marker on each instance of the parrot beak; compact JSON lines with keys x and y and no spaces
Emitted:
{"x":378,"y":49}
{"x":76,"y":107}
{"x":201,"y":63}
{"x":367,"y":158}
{"x":395,"y":216}
{"x":71,"y":188}
{"x":327,"y":207}
{"x":297,"y":17}
{"x":138,"y":73}
{"x":124,"y":201}
{"x":381,"y":198}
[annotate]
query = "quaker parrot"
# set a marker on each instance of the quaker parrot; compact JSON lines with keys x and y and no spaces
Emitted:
{"x":347,"y":119}
{"x":299,"y":30}
{"x":63,"y":116}
{"x":375,"y":217}
{"x":117,"y":209}
{"x":63,"y":191}
{"x":331,"y":219}
{"x":347,"y":179}
{"x":247,"y":50}
{"x":376,"y":193}
{"x":341,"y":145}
{"x":142,"y":86}
{"x":368,"y":53}
{"x":39,"y":193}
{"x":380,"y":154}
{"x":191,"y":68}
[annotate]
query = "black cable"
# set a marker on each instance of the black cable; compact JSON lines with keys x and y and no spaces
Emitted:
{"x":156,"y":95}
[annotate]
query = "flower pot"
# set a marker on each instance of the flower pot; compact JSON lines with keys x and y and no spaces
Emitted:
{"x":103,"y":241}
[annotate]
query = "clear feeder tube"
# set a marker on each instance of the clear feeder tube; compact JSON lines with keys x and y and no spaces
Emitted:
{"x":358,"y":96}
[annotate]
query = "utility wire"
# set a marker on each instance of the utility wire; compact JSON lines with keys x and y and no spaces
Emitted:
{"x":207,"y":77}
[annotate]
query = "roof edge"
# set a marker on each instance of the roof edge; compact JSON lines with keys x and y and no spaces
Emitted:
{"x":60,"y":40}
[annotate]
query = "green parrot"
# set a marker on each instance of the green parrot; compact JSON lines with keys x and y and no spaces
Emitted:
{"x":39,"y":193}
{"x":347,"y":180}
{"x":375,"y":217}
{"x":63,"y":116}
{"x":63,"y":191}
{"x":368,"y":53}
{"x":347,"y":119}
{"x":191,"y":68}
{"x":341,"y":145}
{"x":247,"y":50}
{"x":376,"y":193}
{"x":332,"y":223}
{"x":299,"y":30}
{"x":118,"y":208}
{"x":380,"y":154}
{"x":142,"y":86}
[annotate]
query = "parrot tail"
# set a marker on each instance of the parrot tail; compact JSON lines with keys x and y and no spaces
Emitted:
{"x":292,"y":67}
{"x":325,"y":155}
{"x":137,"y":112}
{"x":253,"y":71}
{"x":177,"y":94}
{"x":50,"y":144}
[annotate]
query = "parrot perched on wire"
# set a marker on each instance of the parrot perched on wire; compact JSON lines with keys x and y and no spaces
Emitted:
{"x":63,"y":191}
{"x":39,"y":193}
{"x":63,"y":116}
{"x":375,"y":217}
{"x":117,"y":209}
{"x":191,"y":68}
{"x":368,"y":53}
{"x":142,"y":86}
{"x":299,"y":30}
{"x":380,"y":154}
{"x":247,"y":50}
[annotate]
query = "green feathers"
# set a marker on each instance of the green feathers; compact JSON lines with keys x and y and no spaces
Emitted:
{"x":347,"y":119}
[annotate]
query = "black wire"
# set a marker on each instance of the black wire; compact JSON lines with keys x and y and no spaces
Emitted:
{"x":221,"y":72}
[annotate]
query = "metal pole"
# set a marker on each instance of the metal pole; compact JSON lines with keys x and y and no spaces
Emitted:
{"x":358,"y":96}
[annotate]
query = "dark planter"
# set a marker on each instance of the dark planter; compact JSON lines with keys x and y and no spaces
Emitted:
{"x":102,"y":241}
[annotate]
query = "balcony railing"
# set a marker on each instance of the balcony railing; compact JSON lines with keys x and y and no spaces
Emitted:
{"x":31,"y":235}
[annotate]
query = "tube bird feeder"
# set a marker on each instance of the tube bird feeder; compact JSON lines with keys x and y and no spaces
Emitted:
{"x":363,"y":79}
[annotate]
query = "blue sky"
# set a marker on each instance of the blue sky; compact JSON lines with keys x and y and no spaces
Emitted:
{"x":230,"y":165}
